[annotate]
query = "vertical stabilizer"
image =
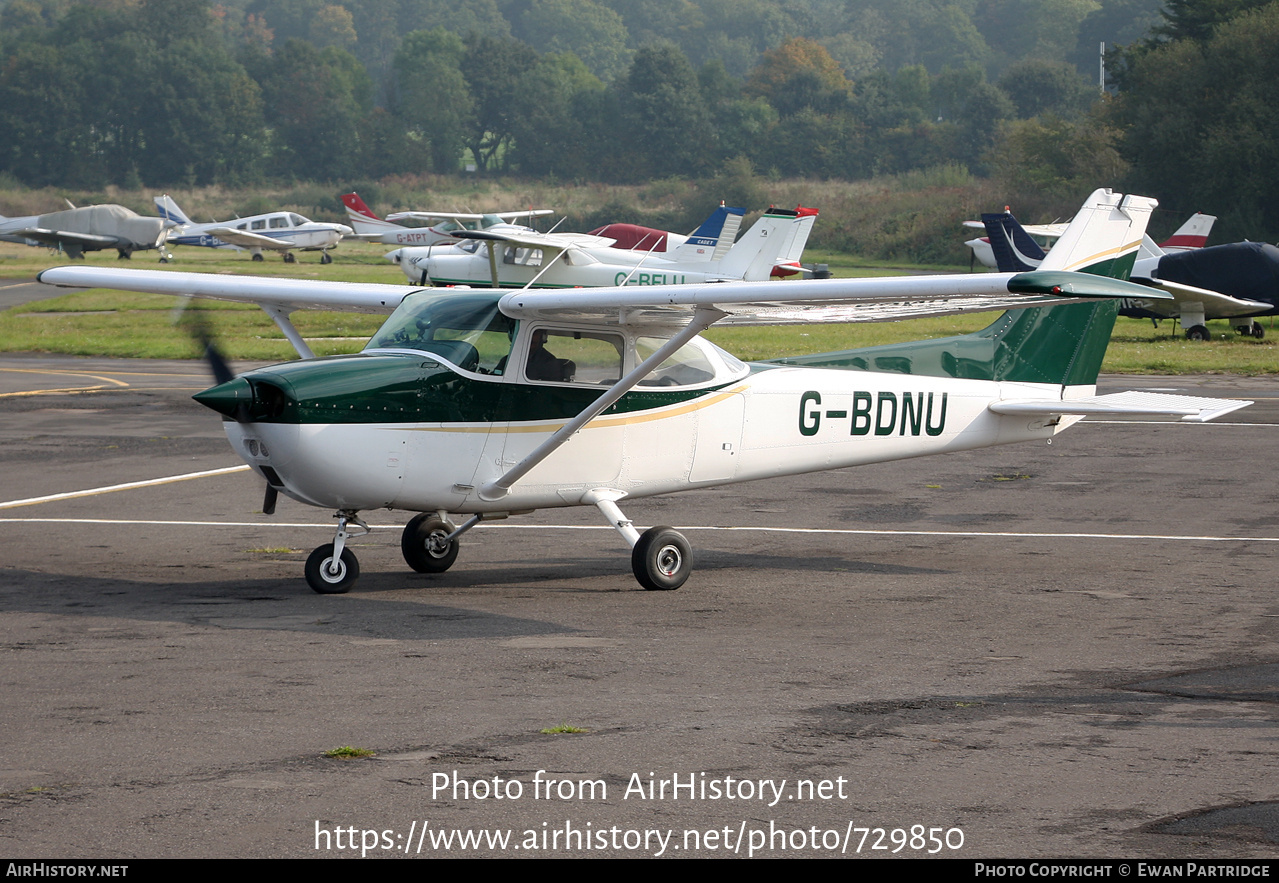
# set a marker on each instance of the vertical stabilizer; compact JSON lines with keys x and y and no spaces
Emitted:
{"x":1058,"y":345}
{"x":713,"y":238}
{"x":362,"y":218}
{"x":753,"y":256}
{"x":1014,"y":250}
{"x":169,"y":210}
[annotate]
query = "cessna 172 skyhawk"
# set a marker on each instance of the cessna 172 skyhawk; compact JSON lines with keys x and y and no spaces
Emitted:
{"x":581,"y":260}
{"x":487,"y":404}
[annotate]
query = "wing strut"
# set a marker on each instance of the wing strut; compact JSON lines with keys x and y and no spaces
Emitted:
{"x":703,"y":318}
{"x":281,"y":316}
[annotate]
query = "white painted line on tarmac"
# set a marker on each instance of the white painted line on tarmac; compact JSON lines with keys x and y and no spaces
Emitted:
{"x":833,"y":531}
{"x":109,"y":489}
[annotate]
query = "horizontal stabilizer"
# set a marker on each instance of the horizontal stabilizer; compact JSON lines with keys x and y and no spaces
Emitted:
{"x":1191,"y":409}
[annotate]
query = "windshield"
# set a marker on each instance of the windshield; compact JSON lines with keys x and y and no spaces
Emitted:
{"x":464,"y":329}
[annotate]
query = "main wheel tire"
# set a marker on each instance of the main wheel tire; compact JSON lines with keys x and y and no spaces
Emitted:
{"x":662,"y":559}
{"x":1198,"y":332}
{"x":258,"y":257}
{"x":289,"y":258}
{"x":335,"y":582}
{"x":422,"y":544}
{"x":1257,"y":331}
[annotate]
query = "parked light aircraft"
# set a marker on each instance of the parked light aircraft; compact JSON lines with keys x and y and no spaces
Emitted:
{"x":89,"y":228}
{"x":576,"y":260}
{"x":368,"y":226}
{"x":1190,"y":235}
{"x":1235,"y":282}
{"x":278,"y":231}
{"x":488,"y":404}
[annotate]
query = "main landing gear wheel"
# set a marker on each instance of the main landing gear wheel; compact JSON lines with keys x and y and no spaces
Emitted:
{"x":424,"y":547}
{"x":258,"y":257}
{"x":1198,"y":332}
{"x":330,"y":577}
{"x":289,"y":258}
{"x":1257,"y":331}
{"x":662,"y":559}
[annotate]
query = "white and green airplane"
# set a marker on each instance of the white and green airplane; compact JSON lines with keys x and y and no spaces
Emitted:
{"x":527,"y":259}
{"x":475,"y":405}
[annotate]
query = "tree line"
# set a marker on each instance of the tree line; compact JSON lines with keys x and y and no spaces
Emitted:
{"x":192,"y":92}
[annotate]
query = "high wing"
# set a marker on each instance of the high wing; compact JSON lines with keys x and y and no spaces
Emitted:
{"x":1047,"y":231}
{"x":294,"y":294}
{"x":1214,"y":303}
{"x":246,"y":239}
{"x":468,"y":216}
{"x":530,"y":239}
{"x":818,"y":300}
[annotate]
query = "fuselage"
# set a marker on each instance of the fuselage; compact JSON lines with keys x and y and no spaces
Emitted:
{"x":517,"y":267}
{"x":289,"y":229}
{"x":442,"y":403}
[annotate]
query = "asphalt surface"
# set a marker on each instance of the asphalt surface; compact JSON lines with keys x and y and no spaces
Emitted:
{"x":1065,"y":650}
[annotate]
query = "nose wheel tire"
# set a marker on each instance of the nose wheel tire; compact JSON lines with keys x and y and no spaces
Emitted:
{"x":328,"y":576}
{"x":662,"y":559}
{"x":424,"y":547}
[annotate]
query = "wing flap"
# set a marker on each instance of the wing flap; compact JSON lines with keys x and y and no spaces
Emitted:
{"x":1191,"y":409}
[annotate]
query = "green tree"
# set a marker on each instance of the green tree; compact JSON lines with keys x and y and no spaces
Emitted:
{"x":592,"y":32}
{"x":432,"y":97}
{"x":493,"y":67}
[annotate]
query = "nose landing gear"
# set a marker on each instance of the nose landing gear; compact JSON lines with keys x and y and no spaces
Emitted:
{"x":332,"y":568}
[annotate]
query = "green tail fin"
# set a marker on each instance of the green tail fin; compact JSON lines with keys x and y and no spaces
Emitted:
{"x":1062,"y":344}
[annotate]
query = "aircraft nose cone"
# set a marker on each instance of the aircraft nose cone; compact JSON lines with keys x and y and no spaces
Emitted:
{"x":393,"y":256}
{"x":231,"y":399}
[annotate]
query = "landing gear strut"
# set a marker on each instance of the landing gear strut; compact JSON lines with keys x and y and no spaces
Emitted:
{"x":332,"y":568}
{"x":661,"y":558}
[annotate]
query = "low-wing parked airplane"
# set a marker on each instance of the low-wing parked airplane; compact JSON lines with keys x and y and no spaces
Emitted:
{"x":368,"y":226}
{"x":88,"y":228}
{"x":278,"y":231}
{"x":1235,"y":282}
{"x":1190,"y":235}
{"x":488,"y":404}
{"x":580,"y":260}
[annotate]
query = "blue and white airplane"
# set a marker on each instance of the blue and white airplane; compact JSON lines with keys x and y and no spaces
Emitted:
{"x":277,"y":231}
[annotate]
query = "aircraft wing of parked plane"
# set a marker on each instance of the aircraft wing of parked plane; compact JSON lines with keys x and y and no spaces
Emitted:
{"x":489,"y":404}
{"x":508,"y":217}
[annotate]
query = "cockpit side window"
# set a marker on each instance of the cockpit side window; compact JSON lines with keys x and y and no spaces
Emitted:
{"x":564,"y":356}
